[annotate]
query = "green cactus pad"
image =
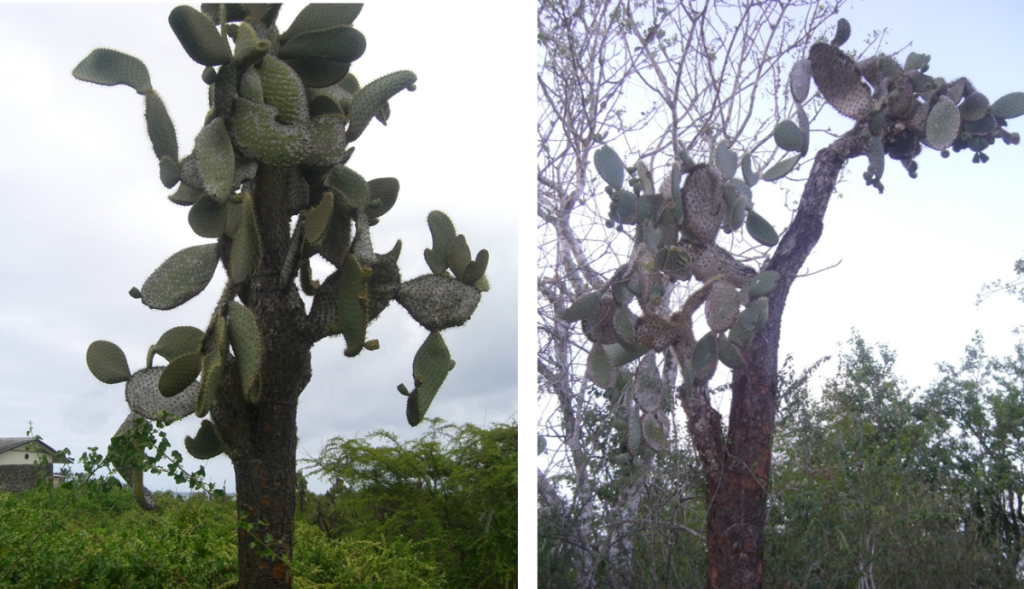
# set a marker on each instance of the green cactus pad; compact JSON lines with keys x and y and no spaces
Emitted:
{"x":754,"y":316}
{"x":169,"y":172}
{"x":654,"y":432}
{"x":728,"y":353}
{"x":761,"y":230}
{"x":317,"y":17}
{"x":180,"y":277}
{"x":780,"y":169}
{"x":110,"y":68}
{"x":705,"y":357}
{"x":246,"y":249}
{"x":216,"y":160}
{"x":943,"y":124}
{"x":600,"y":369}
{"x":876,"y":155}
{"x":245,"y":341}
{"x":634,"y":435}
{"x":352,"y":305}
{"x":283,"y":90}
{"x":261,"y":137}
{"x":1010,"y":106}
{"x":838,"y":80}
{"x":142,"y":393}
{"x":916,"y":61}
{"x":842,"y":33}
{"x":176,"y":342}
{"x":318,"y":72}
{"x":609,"y":166}
{"x":703,"y":204}
{"x":325,"y":105}
{"x":207,"y":218}
{"x":583,"y":308}
{"x":726,"y":160}
{"x":350,"y":184}
{"x":788,"y":136}
{"x":749,"y":175}
{"x":213,"y":369}
{"x":443,"y":232}
{"x":430,"y":367}
{"x":474,"y":271}
{"x":458,"y":255}
{"x":722,"y":306}
{"x":974,"y":107}
{"x":438,"y":302}
{"x":160,"y":127}
{"x":199,"y":36}
{"x":623,"y":327}
{"x":341,"y":44}
{"x":206,"y":444}
{"x":368,"y":100}
{"x":648,"y":388}
{"x":180,"y":373}
{"x":382,"y":196}
{"x":318,"y":218}
{"x":249,"y":48}
{"x":327,"y":141}
{"x":800,"y":80}
{"x":763,"y":283}
{"x":251,"y":87}
{"x":185,"y":195}
{"x":338,"y":239}
{"x":107,"y":362}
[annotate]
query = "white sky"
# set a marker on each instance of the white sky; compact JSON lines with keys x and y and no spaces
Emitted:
{"x":911,"y":260}
{"x":86,"y":218}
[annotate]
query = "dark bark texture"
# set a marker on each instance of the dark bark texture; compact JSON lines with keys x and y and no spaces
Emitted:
{"x":738,"y":463}
{"x":261,"y":438}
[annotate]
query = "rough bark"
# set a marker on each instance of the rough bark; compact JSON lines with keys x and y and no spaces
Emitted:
{"x":261,"y":438}
{"x":737,"y":494}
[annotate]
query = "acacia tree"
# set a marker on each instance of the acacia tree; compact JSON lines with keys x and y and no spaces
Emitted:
{"x":269,"y":182}
{"x":691,"y":228}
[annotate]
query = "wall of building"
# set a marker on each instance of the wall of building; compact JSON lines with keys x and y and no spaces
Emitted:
{"x":15,"y":478}
{"x":17,"y":456}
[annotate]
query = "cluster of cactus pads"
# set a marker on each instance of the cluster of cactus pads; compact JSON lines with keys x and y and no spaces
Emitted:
{"x":902,"y":107}
{"x":675,"y":228}
{"x":674,"y":240}
{"x":287,"y":101}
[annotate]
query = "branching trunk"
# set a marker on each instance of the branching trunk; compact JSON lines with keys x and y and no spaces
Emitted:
{"x":737,"y":494}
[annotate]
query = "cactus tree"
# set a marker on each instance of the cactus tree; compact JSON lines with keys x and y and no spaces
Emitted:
{"x":269,"y":185}
{"x":896,"y":110}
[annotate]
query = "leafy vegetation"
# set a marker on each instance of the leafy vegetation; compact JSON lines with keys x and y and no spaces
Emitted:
{"x":440,"y":511}
{"x":874,"y":484}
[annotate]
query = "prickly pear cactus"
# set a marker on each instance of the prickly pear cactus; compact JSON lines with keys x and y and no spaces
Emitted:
{"x":901,"y":107}
{"x":897,"y":108}
{"x":283,"y":103}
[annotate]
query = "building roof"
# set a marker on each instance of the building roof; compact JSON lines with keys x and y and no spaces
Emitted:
{"x":11,"y":443}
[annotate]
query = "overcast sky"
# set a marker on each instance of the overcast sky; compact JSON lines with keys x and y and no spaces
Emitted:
{"x":910,"y":263}
{"x":85,"y":216}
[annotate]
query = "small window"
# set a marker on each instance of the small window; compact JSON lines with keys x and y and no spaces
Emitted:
{"x":26,"y":457}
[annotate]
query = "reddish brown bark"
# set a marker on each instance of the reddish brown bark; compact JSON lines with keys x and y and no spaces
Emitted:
{"x":738,"y":462}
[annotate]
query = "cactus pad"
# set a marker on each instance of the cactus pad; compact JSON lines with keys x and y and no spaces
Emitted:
{"x":443,"y":232}
{"x":245,"y":341}
{"x":180,"y":277}
{"x":763,"y":283}
{"x":216,"y":160}
{"x":352,"y":305}
{"x":318,"y":218}
{"x":600,"y":368}
{"x":369,"y":99}
{"x":160,"y":128}
{"x":609,"y":166}
{"x":180,"y":373}
{"x":175,"y":342}
{"x":245,"y":247}
{"x":110,"y":68}
{"x":206,"y":444}
{"x":943,"y":124}
{"x":800,"y":80}
{"x":438,"y":302}
{"x":199,"y":37}
{"x":839,"y":81}
{"x":260,"y":136}
{"x":703,"y":204}
{"x":350,"y":184}
{"x":705,"y":357}
{"x":722,"y":306}
{"x":283,"y":90}
{"x":143,"y":395}
{"x":1010,"y":106}
{"x":430,"y":367}
{"x":107,"y":362}
{"x":788,"y":136}
{"x":383,"y":192}
{"x":317,"y":17}
{"x":761,"y":230}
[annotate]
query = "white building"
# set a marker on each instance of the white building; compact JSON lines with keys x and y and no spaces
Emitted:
{"x":21,"y":463}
